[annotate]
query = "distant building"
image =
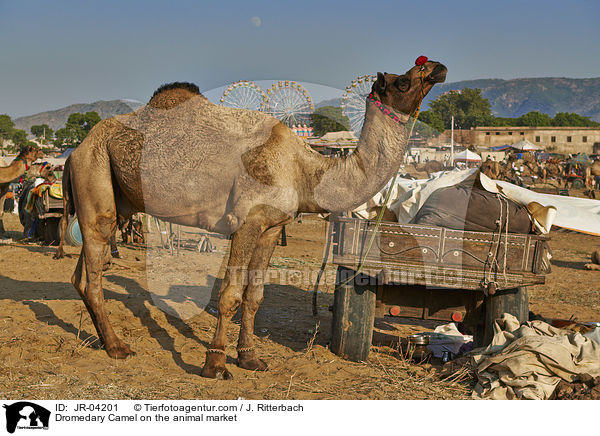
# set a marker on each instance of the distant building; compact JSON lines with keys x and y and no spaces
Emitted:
{"x":554,"y":139}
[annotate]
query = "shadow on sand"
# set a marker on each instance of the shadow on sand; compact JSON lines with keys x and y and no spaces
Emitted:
{"x":284,"y":317}
{"x":569,"y":264}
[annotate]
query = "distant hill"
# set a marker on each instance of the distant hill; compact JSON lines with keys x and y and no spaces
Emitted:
{"x":337,"y":102}
{"x":57,"y":118}
{"x":515,"y":97}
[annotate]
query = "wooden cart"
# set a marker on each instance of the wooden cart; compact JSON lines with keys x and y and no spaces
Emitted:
{"x":49,"y":211}
{"x":428,"y":272}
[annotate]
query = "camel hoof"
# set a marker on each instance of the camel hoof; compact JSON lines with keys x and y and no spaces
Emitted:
{"x":252,"y":364}
{"x":120,"y":351}
{"x":218,"y":372}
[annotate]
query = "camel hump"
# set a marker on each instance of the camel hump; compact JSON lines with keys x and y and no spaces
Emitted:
{"x":170,"y":95}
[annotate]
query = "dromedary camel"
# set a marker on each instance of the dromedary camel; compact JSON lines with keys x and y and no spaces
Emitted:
{"x":490,"y":168}
{"x":188,"y":161}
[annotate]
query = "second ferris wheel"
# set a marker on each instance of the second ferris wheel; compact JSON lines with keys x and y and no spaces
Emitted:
{"x":289,"y":102}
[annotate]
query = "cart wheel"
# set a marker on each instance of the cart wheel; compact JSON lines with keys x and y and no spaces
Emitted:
{"x":353,"y":315}
{"x":513,"y":301}
{"x":51,"y":231}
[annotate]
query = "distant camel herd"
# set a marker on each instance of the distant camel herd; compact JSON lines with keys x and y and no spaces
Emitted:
{"x":527,"y":168}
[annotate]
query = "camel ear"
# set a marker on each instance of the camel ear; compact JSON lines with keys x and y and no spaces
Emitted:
{"x":381,"y":84}
{"x":403,"y":83}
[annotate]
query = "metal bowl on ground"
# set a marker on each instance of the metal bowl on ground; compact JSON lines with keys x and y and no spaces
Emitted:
{"x":418,"y":339}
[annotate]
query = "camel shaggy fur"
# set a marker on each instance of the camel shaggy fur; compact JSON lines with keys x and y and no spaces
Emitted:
{"x":188,"y":161}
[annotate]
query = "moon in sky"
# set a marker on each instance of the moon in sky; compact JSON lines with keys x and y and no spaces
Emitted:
{"x":256,"y":21}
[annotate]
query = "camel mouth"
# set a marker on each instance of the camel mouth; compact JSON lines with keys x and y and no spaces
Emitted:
{"x":438,"y":75}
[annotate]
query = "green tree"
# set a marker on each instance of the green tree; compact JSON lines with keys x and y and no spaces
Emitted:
{"x":6,"y":127}
{"x":19,"y":138}
{"x":76,"y":129}
{"x":568,"y":119}
{"x":468,"y":107}
{"x":42,"y":131}
{"x":504,"y":122}
{"x":433,"y":120}
{"x":329,"y":119}
{"x":534,"y":119}
{"x":65,"y":138}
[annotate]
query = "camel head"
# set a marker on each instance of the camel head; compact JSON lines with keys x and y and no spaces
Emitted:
{"x":43,"y":170}
{"x":30,"y":154}
{"x":47,"y":172}
{"x":405,"y":92}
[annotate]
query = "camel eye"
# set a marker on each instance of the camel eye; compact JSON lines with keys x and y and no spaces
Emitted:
{"x":403,"y":83}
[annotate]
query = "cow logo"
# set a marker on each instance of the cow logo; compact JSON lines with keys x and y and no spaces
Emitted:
{"x":26,"y":415}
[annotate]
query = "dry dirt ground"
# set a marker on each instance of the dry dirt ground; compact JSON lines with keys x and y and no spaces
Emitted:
{"x":48,"y":347}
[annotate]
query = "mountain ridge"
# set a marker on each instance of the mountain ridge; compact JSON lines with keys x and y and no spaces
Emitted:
{"x":515,"y":97}
{"x":57,"y":118}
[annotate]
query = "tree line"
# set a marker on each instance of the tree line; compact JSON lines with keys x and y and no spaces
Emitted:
{"x":76,"y":129}
{"x":471,"y":109}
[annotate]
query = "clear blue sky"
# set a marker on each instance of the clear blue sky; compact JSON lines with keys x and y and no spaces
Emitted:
{"x":56,"y":53}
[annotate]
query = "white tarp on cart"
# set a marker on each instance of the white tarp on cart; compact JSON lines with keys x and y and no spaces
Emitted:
{"x":408,"y":196}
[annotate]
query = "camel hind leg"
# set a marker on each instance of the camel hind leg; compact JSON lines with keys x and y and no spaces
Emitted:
{"x":96,"y":212}
{"x":95,"y":253}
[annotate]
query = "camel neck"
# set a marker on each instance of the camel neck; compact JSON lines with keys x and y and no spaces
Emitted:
{"x":16,"y":169}
{"x":350,"y":181}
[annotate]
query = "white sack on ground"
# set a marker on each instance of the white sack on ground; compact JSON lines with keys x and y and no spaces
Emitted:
{"x":528,"y":361}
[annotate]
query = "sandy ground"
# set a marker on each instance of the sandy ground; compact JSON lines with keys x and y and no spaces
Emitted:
{"x":49,"y":348}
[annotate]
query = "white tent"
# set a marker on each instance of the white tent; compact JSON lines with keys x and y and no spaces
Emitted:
{"x":525,"y":145}
{"x":467,"y":156}
{"x":343,"y":136}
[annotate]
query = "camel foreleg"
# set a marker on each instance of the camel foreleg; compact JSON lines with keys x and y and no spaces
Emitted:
{"x":243,"y":243}
{"x":253,"y":297}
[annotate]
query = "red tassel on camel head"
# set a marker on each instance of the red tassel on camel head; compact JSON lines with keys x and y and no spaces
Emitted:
{"x":421,"y":60}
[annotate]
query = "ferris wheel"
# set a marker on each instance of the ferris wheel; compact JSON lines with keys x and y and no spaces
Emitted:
{"x":353,"y":101}
{"x":244,"y":94}
{"x":289,"y":102}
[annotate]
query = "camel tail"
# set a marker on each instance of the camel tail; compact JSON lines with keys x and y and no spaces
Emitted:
{"x":68,"y":208}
